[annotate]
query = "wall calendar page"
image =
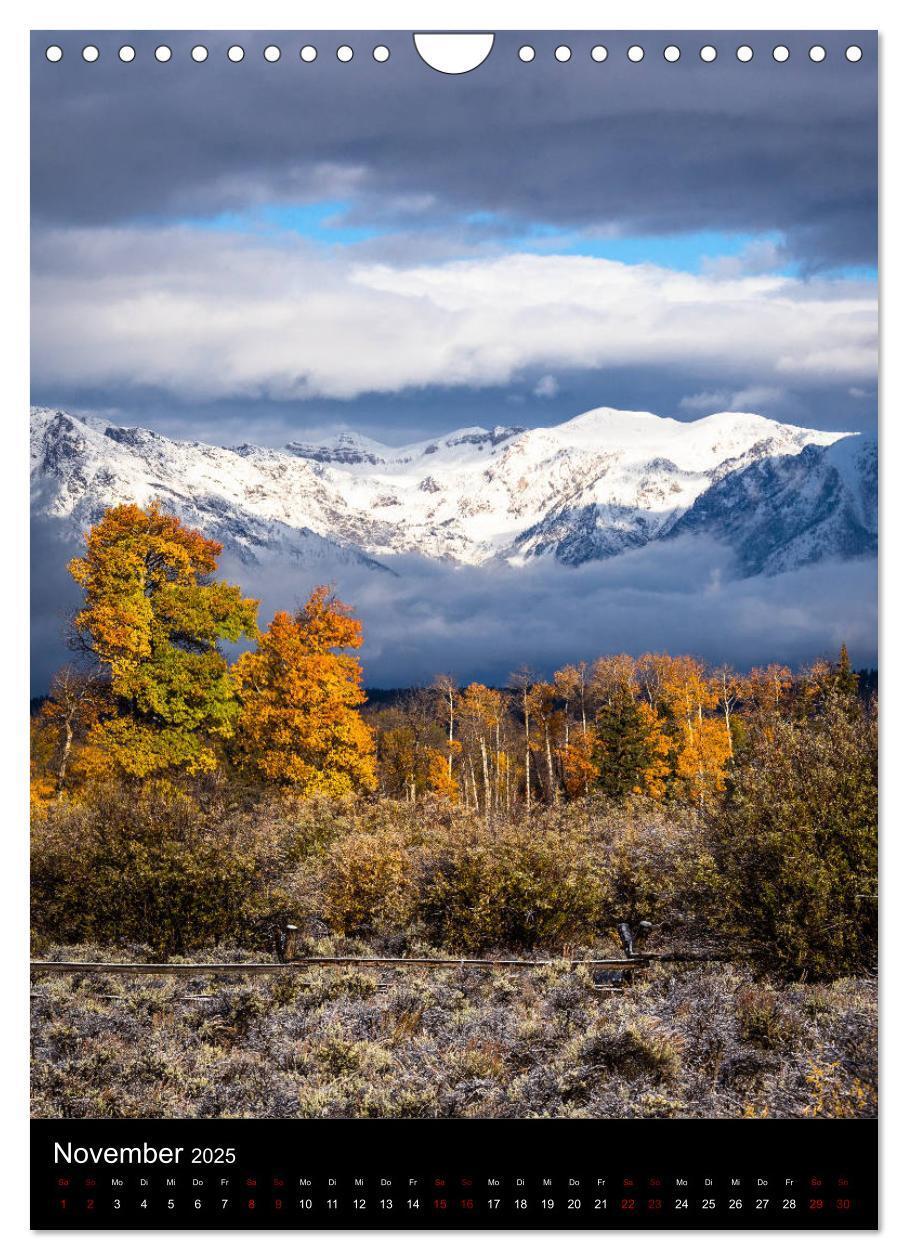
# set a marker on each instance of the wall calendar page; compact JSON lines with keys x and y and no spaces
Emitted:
{"x":453,"y":630}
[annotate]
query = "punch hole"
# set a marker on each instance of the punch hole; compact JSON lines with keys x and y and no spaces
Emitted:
{"x":745,"y":53}
{"x":817,"y":53}
{"x":780,"y":53}
{"x":308,"y":53}
{"x":272,"y":53}
{"x":235,"y":53}
{"x":599,"y":52}
{"x":457,"y":53}
{"x":381,"y":53}
{"x":162,"y":53}
{"x":635,"y":53}
{"x":90,"y":53}
{"x":127,"y":53}
{"x":54,"y":53}
{"x":853,"y":53}
{"x":562,"y":53}
{"x":526,"y":52}
{"x":345,"y":53}
{"x":672,"y":53}
{"x":199,"y":53}
{"x":708,"y":53}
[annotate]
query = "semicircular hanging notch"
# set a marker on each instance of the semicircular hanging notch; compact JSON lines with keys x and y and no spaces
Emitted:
{"x":455,"y":52}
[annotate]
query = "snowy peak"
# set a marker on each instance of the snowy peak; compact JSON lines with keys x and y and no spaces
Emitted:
{"x":588,"y":489}
{"x":346,"y":448}
{"x":353,"y":448}
{"x":787,"y":511}
{"x":699,"y":443}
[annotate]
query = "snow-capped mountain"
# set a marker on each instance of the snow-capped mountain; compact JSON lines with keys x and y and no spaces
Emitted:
{"x":779,"y":495}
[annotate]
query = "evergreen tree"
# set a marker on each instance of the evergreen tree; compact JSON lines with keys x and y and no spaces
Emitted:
{"x":846,"y":680}
{"x":625,"y":751}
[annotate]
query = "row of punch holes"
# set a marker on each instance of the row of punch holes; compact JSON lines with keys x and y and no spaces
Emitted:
{"x":526,"y":53}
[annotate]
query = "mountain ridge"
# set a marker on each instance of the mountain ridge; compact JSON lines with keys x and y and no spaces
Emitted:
{"x":599,"y":484}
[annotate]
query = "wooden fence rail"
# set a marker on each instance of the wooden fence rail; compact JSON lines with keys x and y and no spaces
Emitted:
{"x":300,"y":964}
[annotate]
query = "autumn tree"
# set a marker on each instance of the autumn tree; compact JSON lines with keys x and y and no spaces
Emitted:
{"x":154,"y":618}
{"x":438,"y":776}
{"x":545,"y":720}
{"x":652,"y":674}
{"x":409,"y":764}
{"x":577,"y":761}
{"x":479,"y":711}
{"x":300,"y":695}
{"x":702,"y":760}
{"x":730,"y":689}
{"x":572,"y":683}
{"x":406,"y":736}
{"x":78,"y":701}
{"x":444,"y":689}
{"x":611,"y":678}
{"x":687,"y":696}
{"x":433,"y":771}
{"x":521,"y":683}
{"x":398,"y":768}
{"x":582,"y":689}
{"x":767,"y":691}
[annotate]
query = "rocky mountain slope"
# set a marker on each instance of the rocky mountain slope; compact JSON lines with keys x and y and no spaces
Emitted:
{"x":780,"y":496}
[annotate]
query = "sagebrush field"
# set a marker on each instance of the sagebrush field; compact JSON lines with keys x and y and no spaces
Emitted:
{"x":680,"y":1042}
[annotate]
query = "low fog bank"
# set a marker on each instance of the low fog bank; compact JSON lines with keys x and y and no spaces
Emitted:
{"x":481,"y":624}
{"x":678,"y":596}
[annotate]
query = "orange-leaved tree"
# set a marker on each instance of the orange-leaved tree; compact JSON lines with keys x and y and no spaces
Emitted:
{"x":300,"y":695}
{"x":578,"y":766}
{"x":688,"y":695}
{"x":155,"y":618}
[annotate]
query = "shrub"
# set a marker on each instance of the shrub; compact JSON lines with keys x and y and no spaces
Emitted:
{"x":444,"y":1044}
{"x":654,"y":863}
{"x":637,"y":1047}
{"x":514,"y":888}
{"x":762,"y":1019}
{"x":795,"y":845}
{"x":363,"y":882}
{"x":146,"y":864}
{"x":783,"y":870}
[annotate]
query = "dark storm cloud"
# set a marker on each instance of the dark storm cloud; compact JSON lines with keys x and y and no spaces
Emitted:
{"x":648,"y":148}
{"x":54,"y":597}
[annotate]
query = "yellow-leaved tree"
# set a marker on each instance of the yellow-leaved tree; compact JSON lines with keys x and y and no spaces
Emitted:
{"x":154,"y":617}
{"x":300,"y":695}
{"x":702,"y":749}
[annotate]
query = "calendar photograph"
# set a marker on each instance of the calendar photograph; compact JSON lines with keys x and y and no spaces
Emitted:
{"x":454,"y":577}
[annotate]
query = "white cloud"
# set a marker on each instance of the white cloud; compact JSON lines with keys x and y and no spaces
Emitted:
{"x":547,"y":386}
{"x":757,"y":258}
{"x":212,"y":314}
{"x":751,"y":398}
